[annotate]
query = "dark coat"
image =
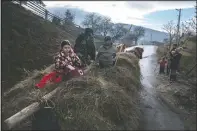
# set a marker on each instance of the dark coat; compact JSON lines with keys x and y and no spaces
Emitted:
{"x":85,"y":46}
{"x":175,"y":60}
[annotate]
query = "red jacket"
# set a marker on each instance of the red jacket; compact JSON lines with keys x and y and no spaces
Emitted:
{"x":162,"y":63}
{"x":62,"y":61}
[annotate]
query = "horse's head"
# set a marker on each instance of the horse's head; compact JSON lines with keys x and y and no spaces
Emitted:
{"x":138,"y":52}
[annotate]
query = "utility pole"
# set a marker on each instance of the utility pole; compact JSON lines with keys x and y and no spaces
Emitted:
{"x":178,"y":26}
{"x":196,"y":11}
{"x":129,"y":29}
{"x":151,"y":39}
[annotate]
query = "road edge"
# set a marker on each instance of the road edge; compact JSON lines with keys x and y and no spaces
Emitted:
{"x":178,"y":111}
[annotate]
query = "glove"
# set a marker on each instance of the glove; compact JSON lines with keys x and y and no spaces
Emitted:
{"x":71,"y":67}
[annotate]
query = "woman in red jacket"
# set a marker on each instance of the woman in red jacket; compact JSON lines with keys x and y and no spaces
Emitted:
{"x":67,"y":62}
{"x":67,"y":65}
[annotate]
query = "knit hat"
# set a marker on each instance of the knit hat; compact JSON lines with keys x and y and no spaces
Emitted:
{"x":65,"y":42}
{"x":88,"y":30}
{"x":107,"y":38}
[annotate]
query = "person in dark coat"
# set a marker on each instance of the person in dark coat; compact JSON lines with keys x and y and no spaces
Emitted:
{"x":170,"y":56}
{"x":168,"y":63}
{"x":174,"y":65}
{"x":179,"y":55}
{"x":84,"y":47}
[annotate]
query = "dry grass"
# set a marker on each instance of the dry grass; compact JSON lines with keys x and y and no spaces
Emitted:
{"x":180,"y":95}
{"x":187,"y":60}
{"x":185,"y":53}
{"x":102,"y":99}
{"x":96,"y":104}
{"x":28,"y":42}
{"x":29,"y":81}
{"x":183,"y":98}
{"x":24,"y":93}
{"x":161,"y":51}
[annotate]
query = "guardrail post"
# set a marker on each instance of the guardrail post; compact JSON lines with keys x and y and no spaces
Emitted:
{"x":46,"y":14}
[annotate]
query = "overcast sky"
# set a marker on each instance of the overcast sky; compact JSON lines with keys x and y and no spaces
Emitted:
{"x":151,"y":14}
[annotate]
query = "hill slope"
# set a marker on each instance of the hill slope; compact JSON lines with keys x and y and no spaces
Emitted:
{"x":28,"y":42}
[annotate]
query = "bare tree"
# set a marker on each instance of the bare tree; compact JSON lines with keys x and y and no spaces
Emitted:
{"x":170,"y":29}
{"x":105,"y":26}
{"x":192,"y":24}
{"x":188,"y":27}
{"x":185,"y":29}
{"x":138,"y":33}
{"x":135,"y":35}
{"x":118,"y":31}
{"x":56,"y":20}
{"x":92,"y":20}
{"x":69,"y":17}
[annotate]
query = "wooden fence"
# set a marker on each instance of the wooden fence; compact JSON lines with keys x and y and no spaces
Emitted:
{"x":40,"y":10}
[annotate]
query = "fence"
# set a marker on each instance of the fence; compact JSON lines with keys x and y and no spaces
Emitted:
{"x":40,"y":10}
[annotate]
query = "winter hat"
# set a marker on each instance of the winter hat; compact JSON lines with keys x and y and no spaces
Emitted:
{"x":65,"y":42}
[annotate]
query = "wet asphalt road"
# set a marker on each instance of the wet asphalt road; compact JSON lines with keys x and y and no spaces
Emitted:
{"x":155,"y":114}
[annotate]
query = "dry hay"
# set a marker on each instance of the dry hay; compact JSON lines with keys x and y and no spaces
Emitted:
{"x":103,"y":99}
{"x":24,"y":93}
{"x":28,"y":81}
{"x":127,"y":59}
{"x":121,"y":47}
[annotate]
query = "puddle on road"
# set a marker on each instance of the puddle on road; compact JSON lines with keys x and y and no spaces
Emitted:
{"x":147,"y":68}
